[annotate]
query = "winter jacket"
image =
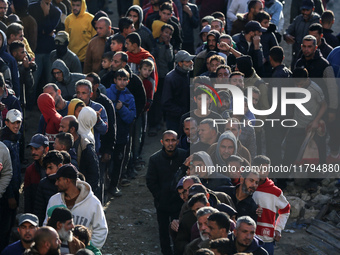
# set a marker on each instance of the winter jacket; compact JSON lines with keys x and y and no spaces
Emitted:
{"x":268,"y":40}
{"x":275,"y":10}
{"x":164,"y":57}
{"x":239,"y":24}
{"x":208,"y":7}
{"x":46,"y":25}
{"x":87,"y":211}
{"x":161,"y":170}
{"x":52,"y":118}
{"x":10,"y":100}
{"x":108,"y":140}
{"x":46,"y":189}
{"x":30,"y":29}
{"x":71,"y":60}
{"x":236,"y":7}
{"x":189,"y":23}
{"x":176,"y":93}
{"x":67,"y":86}
{"x":331,"y":39}
{"x":42,"y":123}
{"x":295,"y":8}
{"x":325,"y":48}
{"x":126,"y":114}
{"x":94,"y":53}
{"x":12,"y":64}
{"x":271,"y":199}
{"x":11,"y":140}
{"x":255,"y":247}
{"x":144,"y":33}
{"x":80,"y":30}
{"x":6,"y":172}
{"x":334,"y":61}
{"x":319,"y":67}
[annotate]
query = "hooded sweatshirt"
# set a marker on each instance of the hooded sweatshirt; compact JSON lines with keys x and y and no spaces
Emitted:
{"x":144,"y":33}
{"x":52,"y":118}
{"x":87,"y":118}
{"x":226,"y":135}
{"x":72,"y":105}
{"x":80,"y":30}
{"x":67,"y":86}
{"x":12,"y":64}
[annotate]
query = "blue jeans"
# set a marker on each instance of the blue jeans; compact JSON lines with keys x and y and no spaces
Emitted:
{"x":269,"y":247}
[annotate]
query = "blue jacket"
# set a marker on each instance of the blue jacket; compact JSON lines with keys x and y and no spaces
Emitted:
{"x":126,"y":114}
{"x":12,"y":64}
{"x":101,"y":126}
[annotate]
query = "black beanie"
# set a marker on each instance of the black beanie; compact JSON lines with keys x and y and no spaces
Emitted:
{"x":20,"y":7}
{"x":60,"y":214}
{"x":244,"y":65}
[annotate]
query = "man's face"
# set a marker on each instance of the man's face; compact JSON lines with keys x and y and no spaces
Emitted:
{"x":165,"y":15}
{"x":211,"y":40}
{"x":166,"y":34}
{"x":129,"y":30}
{"x":256,"y":98}
{"x":222,"y":75}
{"x":115,"y":46}
{"x":76,"y":7}
{"x":257,"y":8}
{"x":198,"y":101}
{"x":102,"y":29}
{"x":226,"y":149}
{"x":186,"y":186}
{"x":62,"y":184}
{"x":169,"y":141}
{"x":51,"y":169}
{"x":198,"y":168}
{"x":106,"y":63}
{"x":56,"y":96}
{"x":213,"y":66}
{"x":316,"y":35}
{"x":214,"y":231}
{"x":65,"y":232}
{"x":57,"y":145}
{"x":306,"y":13}
{"x":134,"y":16}
{"x":13,"y":126}
{"x":204,"y":36}
{"x":189,"y":128}
{"x":203,"y":227}
{"x":215,"y":25}
{"x":187,"y":65}
{"x":26,"y":232}
{"x":234,"y":128}
{"x":265,"y":23}
{"x":83,"y":93}
{"x":250,"y":184}
{"x":205,"y":133}
{"x":3,"y":9}
{"x":237,"y":80}
{"x":19,"y":54}
{"x":121,"y":82}
{"x":145,"y":71}
{"x":37,"y":153}
{"x":18,"y":37}
{"x":237,"y":167}
{"x":264,"y":171}
{"x":196,"y":207}
{"x":55,"y":244}
{"x":244,"y":234}
{"x":58,"y":75}
{"x":117,"y":62}
{"x":64,"y":126}
{"x":128,"y":45}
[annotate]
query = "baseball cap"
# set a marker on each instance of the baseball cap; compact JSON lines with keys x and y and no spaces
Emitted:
{"x":206,"y":29}
{"x":62,"y":37}
{"x":38,"y":140}
{"x":254,"y":26}
{"x":67,"y":171}
{"x":197,"y":188}
{"x":180,"y":183}
{"x":183,"y":55}
{"x":29,"y":217}
{"x":14,"y":115}
{"x":307,"y":5}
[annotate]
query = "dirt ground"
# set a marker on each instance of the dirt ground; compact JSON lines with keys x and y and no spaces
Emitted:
{"x":132,"y":218}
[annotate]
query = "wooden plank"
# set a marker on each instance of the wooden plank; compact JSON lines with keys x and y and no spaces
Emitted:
{"x":323,"y":235}
{"x":331,"y":229}
{"x":323,"y":247}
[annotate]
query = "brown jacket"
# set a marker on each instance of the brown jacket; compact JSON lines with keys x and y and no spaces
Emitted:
{"x":75,"y":245}
{"x":239,"y":24}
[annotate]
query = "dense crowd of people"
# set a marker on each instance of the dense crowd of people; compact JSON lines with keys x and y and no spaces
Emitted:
{"x":225,"y":101}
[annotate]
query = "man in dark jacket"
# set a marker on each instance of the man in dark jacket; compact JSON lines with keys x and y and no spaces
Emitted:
{"x":86,"y":155}
{"x":163,"y":166}
{"x":240,"y":240}
{"x":176,"y":92}
{"x":316,"y":30}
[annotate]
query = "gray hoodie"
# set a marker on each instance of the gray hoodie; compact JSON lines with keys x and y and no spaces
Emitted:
{"x":226,"y":135}
{"x":67,"y":86}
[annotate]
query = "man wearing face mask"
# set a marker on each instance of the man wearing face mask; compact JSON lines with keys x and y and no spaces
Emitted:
{"x":176,"y":92}
{"x":71,"y":60}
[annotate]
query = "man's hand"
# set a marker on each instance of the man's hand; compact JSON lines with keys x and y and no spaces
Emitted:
{"x":187,"y":9}
{"x":12,"y":203}
{"x":312,"y":126}
{"x":256,"y":42}
{"x":289,"y":39}
{"x":174,"y":225}
{"x":277,"y":235}
{"x":188,"y":160}
{"x":119,"y":105}
{"x":98,"y":113}
{"x":259,"y":210}
{"x":45,"y":7}
{"x":25,"y":62}
{"x":223,"y":46}
{"x":106,"y":157}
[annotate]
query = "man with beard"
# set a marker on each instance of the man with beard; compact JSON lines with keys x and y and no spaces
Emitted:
{"x":190,"y":136}
{"x":244,"y":240}
{"x":241,"y":194}
{"x":163,"y":166}
{"x":46,"y":242}
{"x":28,"y":225}
{"x":176,"y":92}
{"x":202,"y":222}
{"x":62,"y":221}
{"x":35,"y":172}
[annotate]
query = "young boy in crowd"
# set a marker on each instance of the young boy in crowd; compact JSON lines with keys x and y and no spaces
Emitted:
{"x":106,"y":63}
{"x":117,"y":43}
{"x":125,"y":107}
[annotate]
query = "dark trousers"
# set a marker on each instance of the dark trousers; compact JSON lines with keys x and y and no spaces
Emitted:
{"x":274,"y":138}
{"x":333,"y":129}
{"x":164,"y":219}
{"x":118,"y":157}
{"x":156,"y":113}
